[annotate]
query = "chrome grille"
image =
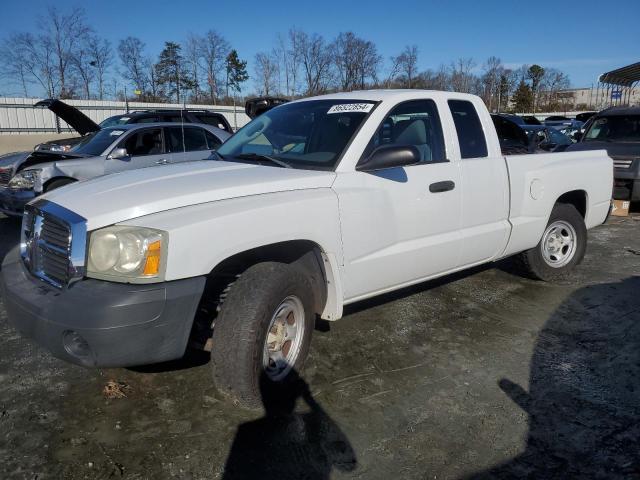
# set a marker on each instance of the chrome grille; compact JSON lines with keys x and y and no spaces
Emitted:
{"x":5,"y":176}
{"x":622,"y":162}
{"x":53,"y":243}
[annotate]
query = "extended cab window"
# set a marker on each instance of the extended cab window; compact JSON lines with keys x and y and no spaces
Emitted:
{"x":469,"y":129}
{"x":412,"y":123}
{"x":144,"y":142}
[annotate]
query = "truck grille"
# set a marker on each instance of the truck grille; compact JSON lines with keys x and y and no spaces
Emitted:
{"x":622,"y":162}
{"x":48,"y":242}
{"x":5,"y":176}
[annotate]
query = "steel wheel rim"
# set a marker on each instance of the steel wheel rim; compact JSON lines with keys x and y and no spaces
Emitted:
{"x":559,"y":244}
{"x":283,"y":342}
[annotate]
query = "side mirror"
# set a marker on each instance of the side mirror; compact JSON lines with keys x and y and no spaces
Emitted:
{"x":118,"y":154}
{"x":390,"y":156}
{"x":577,"y":136}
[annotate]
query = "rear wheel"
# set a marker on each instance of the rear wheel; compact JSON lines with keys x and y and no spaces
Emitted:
{"x":263,"y":331}
{"x":561,"y":248}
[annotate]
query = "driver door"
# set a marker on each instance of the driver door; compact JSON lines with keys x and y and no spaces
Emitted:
{"x":401,"y":225}
{"x":145,"y":148}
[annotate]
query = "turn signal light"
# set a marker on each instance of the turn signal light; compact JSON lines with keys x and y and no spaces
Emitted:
{"x":152,"y":264}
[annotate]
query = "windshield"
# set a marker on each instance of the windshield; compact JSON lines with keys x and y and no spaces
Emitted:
{"x":619,"y":128}
{"x":307,"y":135}
{"x":115,"y":121}
{"x":96,"y":143}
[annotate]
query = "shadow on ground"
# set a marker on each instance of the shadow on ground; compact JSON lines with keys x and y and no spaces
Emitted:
{"x":285,"y":443}
{"x":583,"y":399}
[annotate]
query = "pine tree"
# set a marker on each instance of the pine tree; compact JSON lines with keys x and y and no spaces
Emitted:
{"x":171,"y":74}
{"x":522,"y":98}
{"x":236,"y":72}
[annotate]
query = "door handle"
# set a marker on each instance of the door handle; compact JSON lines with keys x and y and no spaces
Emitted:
{"x":164,"y":161}
{"x":444,"y":186}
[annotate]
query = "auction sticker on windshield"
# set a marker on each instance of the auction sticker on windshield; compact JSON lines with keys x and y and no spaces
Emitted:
{"x":351,"y":107}
{"x":116,"y":133}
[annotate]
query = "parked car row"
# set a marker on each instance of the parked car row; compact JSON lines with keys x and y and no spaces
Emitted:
{"x":616,"y":130}
{"x":122,"y":142}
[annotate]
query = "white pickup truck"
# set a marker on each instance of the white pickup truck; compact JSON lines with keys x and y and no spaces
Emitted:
{"x":313,"y":205}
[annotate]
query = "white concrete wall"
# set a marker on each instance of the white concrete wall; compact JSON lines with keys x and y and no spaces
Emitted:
{"x":17,"y":115}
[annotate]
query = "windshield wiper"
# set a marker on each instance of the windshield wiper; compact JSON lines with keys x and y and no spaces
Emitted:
{"x":258,"y":157}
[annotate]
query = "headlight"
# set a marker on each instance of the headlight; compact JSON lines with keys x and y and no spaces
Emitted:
{"x":26,"y":180}
{"x":127,"y":254}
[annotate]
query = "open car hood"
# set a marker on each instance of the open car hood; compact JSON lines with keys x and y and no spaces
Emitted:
{"x":74,"y":117}
{"x":257,"y":106}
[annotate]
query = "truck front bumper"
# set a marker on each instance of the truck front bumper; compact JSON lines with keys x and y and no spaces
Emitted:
{"x":12,"y":202}
{"x":101,"y":324}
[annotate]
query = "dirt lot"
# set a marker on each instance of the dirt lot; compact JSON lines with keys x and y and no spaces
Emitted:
{"x":483,"y":375}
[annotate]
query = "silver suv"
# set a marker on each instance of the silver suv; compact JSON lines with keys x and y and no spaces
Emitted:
{"x":110,"y":150}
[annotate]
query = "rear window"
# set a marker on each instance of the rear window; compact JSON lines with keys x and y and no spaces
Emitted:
{"x":194,"y":139}
{"x":213,"y":120}
{"x":151,"y":119}
{"x":468,"y":128}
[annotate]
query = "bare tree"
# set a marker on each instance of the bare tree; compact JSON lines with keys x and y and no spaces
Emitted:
{"x":153,"y":92}
{"x":552,"y":82}
{"x":131,"y":52}
{"x":12,"y":57}
{"x":462,"y":78}
{"x":213,"y":52}
{"x":192,"y":52}
{"x":82,"y":63}
{"x":101,"y":57}
{"x":33,"y":57}
{"x":315,"y":59}
{"x":405,"y":65}
{"x":266,"y":73}
{"x":65,"y":33}
{"x":355,"y":59}
{"x":491,"y":81}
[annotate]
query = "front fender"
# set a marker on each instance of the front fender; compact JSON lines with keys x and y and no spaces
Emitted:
{"x":202,"y":236}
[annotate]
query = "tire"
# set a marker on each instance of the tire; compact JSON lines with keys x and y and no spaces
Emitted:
{"x":61,"y":182}
{"x":556,"y":261}
{"x":241,"y":329}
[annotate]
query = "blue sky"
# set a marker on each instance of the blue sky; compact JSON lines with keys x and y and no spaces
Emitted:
{"x":583,"y":38}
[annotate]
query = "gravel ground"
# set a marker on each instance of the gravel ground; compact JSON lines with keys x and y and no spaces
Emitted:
{"x":480,"y":375}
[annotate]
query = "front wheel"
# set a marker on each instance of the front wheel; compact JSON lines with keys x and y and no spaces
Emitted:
{"x":60,"y":182}
{"x":561,"y":248}
{"x":263,"y":331}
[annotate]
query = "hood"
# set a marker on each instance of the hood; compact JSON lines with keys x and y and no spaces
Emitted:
{"x":614,"y":149}
{"x":124,"y":196}
{"x":14,"y":159}
{"x":39,"y":157}
{"x":74,"y":117}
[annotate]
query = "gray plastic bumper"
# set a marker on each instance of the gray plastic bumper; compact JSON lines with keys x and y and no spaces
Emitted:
{"x":101,"y":324}
{"x":12,"y":202}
